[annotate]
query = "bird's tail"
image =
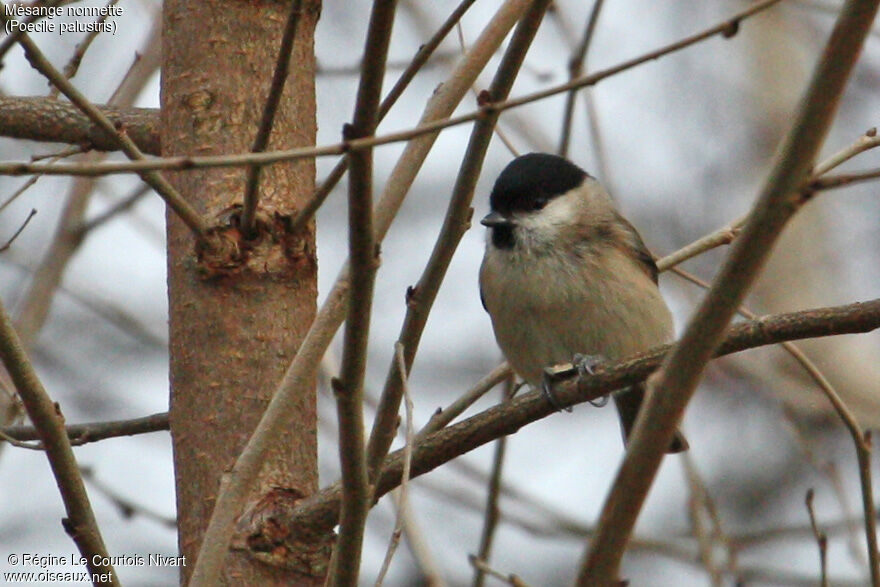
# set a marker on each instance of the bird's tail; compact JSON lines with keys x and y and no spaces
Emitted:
{"x":628,"y":402}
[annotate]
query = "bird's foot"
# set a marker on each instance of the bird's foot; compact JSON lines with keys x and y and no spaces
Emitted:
{"x":547,"y":391}
{"x":585,"y":365}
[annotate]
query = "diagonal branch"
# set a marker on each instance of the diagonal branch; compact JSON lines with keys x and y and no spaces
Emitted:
{"x":46,"y":416}
{"x":418,"y":61}
{"x":575,"y":70}
{"x":171,"y":196}
{"x":431,"y":451}
{"x":670,"y":390}
{"x":261,"y":141}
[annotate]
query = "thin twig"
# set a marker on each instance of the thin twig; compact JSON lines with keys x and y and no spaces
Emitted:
{"x":829,"y":468}
{"x":575,"y":70}
{"x":67,"y":239}
{"x":430,"y":125}
{"x":20,"y":443}
{"x":171,"y":196}
{"x":11,"y":39}
{"x":867,"y":141}
{"x":32,"y":180}
{"x":862,"y":445}
{"x":482,"y":567}
{"x":499,"y":132}
{"x":127,"y":508}
{"x":672,"y":387}
{"x":443,"y":416}
{"x":403,"y":492}
{"x":362,"y":252}
{"x":700,"y":506}
{"x":821,"y":538}
{"x":437,"y":59}
{"x":67,"y":152}
{"x":492,"y":511}
{"x":72,"y":65}
{"x":116,"y":209}
{"x":418,"y":62}
{"x":760,"y":538}
{"x":728,"y":234}
{"x":723,"y":236}
{"x":844,"y":179}
{"x":46,"y":416}
{"x":80,"y":434}
{"x":14,"y":236}
{"x":560,"y":526}
{"x":261,"y":141}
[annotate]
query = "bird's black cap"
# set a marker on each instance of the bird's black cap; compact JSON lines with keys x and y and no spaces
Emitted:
{"x":530,"y":181}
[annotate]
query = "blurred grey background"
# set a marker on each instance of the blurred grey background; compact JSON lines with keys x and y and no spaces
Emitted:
{"x":685,"y":144}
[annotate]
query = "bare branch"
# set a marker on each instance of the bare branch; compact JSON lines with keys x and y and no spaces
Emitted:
{"x":418,"y":62}
{"x":403,"y":492}
{"x":79,"y":52}
{"x":19,"y":231}
{"x":443,"y":416}
{"x":80,"y":523}
{"x":821,"y":539}
{"x":45,"y":119}
{"x":701,"y":506}
{"x":492,"y":511}
{"x":432,"y":122}
{"x":68,"y":236}
{"x":80,"y":434}
{"x":116,"y":209}
{"x":321,"y":510}
{"x":844,"y":179}
{"x":261,"y":141}
{"x":174,"y":200}
{"x":482,"y":568}
{"x":363,"y":256}
{"x":727,"y":234}
{"x":575,"y":70}
{"x":10,"y":40}
{"x":127,"y":507}
{"x":671,"y":389}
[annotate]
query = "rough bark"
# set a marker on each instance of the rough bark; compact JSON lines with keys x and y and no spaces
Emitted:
{"x":238,"y":308}
{"x":45,"y":119}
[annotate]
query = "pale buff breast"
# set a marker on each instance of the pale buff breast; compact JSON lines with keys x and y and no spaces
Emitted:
{"x":546,"y":309}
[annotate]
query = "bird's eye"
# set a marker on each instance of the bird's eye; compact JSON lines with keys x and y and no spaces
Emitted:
{"x":539,"y":203}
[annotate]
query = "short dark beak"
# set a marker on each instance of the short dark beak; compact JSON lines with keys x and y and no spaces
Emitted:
{"x":494,"y":219}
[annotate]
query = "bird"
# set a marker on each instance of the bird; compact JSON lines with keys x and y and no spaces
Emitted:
{"x":565,"y":277}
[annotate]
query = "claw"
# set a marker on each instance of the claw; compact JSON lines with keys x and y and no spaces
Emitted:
{"x":585,"y":365}
{"x":547,"y":391}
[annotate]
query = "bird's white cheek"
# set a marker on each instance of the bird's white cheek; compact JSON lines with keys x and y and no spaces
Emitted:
{"x":544,"y":226}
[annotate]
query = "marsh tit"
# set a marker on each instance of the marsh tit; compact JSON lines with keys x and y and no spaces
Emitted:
{"x":566,"y":276}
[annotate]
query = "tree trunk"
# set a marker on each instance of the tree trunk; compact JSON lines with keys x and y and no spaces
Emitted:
{"x":239,"y":308}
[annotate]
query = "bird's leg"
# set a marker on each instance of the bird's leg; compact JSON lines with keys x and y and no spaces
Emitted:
{"x":585,"y":365}
{"x":547,"y":390}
